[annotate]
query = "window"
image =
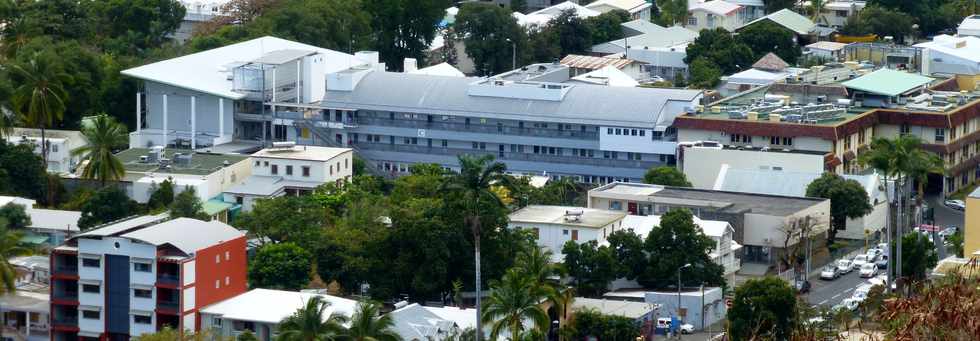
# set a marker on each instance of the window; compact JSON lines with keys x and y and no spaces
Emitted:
{"x":347,"y":164}
{"x":692,"y":21}
{"x":609,"y":131}
{"x":227,"y":255}
{"x":643,"y":132}
{"x":143,"y":293}
{"x":741,"y":138}
{"x":847,"y":143}
{"x":306,"y":170}
{"x":564,"y":232}
{"x":476,"y":145}
{"x":216,"y":322}
{"x":275,"y":169}
{"x":787,"y":141}
{"x":239,"y":200}
{"x":142,"y":267}
{"x":633,"y":132}
{"x":616,"y":205}
{"x":619,"y":131}
{"x":258,"y":163}
{"x":90,"y":288}
{"x":227,"y":280}
{"x":904,"y":129}
{"x":90,"y":262}
{"x":217,"y":283}
{"x":142,"y":319}
{"x":90,"y":314}
{"x":289,"y":170}
{"x":574,"y":234}
{"x":940,"y":135}
{"x":331,"y":169}
{"x":445,"y":143}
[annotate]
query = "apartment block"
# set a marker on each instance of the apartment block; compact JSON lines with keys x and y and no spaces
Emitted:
{"x":288,"y":169}
{"x":139,"y":275}
{"x":269,"y":90}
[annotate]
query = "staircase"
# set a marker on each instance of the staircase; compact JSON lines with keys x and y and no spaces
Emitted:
{"x":322,"y":134}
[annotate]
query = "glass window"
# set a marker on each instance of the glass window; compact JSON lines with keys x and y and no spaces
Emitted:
{"x":143,"y":293}
{"x":615,"y":205}
{"x":142,"y":267}
{"x":940,"y":135}
{"x":289,"y":170}
{"x":90,"y":288}
{"x":306,"y":170}
{"x":90,"y":314}
{"x":90,"y":262}
{"x":609,"y":131}
{"x":142,"y":319}
{"x":275,"y":169}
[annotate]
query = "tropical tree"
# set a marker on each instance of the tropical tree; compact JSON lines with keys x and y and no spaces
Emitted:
{"x":666,"y":176}
{"x":9,"y":247}
{"x":187,"y":205}
{"x":104,"y":136}
{"x":283,"y":266}
{"x":514,"y":299}
{"x":763,"y":309}
{"x":815,"y":8}
{"x":367,"y":324}
{"x":309,"y":323}
{"x":848,"y":200}
{"x":40,"y":98}
{"x":472,"y":187}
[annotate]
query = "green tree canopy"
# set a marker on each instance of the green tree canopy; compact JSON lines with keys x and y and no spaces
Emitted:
{"x":187,"y":205}
{"x":607,"y":26}
{"x":589,"y":323}
{"x":848,"y":200}
{"x":163,"y":195}
{"x":762,"y":309}
{"x":9,"y":248}
{"x":136,"y":24}
{"x":513,"y":300}
{"x":628,"y":250}
{"x":286,"y":219}
{"x":676,"y":242}
{"x":107,"y":204}
{"x":404,"y":28}
{"x":592,"y":267}
{"x":722,"y":49}
{"x":368,"y":324}
{"x":766,"y":36}
{"x":22,"y":173}
{"x":489,"y":31}
{"x":104,"y":136}
{"x":776,"y":5}
{"x":15,"y":215}
{"x":666,"y":176}
{"x":311,"y":323}
{"x":918,"y":256}
{"x":881,"y":21}
{"x":283,"y":266}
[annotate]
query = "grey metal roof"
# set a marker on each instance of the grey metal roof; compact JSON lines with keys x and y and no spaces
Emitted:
{"x":583,"y":104}
{"x":188,"y":235}
{"x":124,"y":225}
{"x":54,"y":219}
{"x":723,"y":201}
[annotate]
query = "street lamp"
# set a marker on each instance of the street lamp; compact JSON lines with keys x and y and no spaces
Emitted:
{"x":688,"y":265}
{"x":513,"y":55}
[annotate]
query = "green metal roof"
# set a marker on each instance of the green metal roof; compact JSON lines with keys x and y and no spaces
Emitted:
{"x":212,"y":207}
{"x":35,"y":239}
{"x":887,"y":82}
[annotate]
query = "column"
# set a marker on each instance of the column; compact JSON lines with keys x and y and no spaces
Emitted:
{"x":139,"y":117}
{"x":221,"y":117}
{"x":299,"y":77}
{"x":193,"y":122}
{"x":28,"y":321}
{"x":165,"y":112}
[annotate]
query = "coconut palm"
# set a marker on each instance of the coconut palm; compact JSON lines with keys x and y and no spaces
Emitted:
{"x":514,"y":299}
{"x":40,"y":97}
{"x":368,"y":324}
{"x":815,"y":8}
{"x":9,"y":247}
{"x":472,"y":186}
{"x":104,"y":135}
{"x":310,"y":323}
{"x":535,"y":262}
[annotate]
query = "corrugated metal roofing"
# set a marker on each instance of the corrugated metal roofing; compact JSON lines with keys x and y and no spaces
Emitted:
{"x":582,"y":104}
{"x":887,"y":82}
{"x":594,"y":63}
{"x":188,"y":235}
{"x":788,"y":19}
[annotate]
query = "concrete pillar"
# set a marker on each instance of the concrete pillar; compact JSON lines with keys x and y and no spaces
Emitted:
{"x":221,"y":117}
{"x":299,"y":77}
{"x":165,"y":112}
{"x":193,"y":122}
{"x":28,"y":321}
{"x":139,"y":117}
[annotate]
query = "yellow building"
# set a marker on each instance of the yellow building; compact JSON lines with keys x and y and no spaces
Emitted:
{"x":971,"y":243}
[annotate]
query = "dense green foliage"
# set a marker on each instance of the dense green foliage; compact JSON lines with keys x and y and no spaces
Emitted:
{"x":676,"y":242}
{"x":107,"y":204}
{"x":404,"y":28}
{"x":666,"y":176}
{"x":591,"y":267}
{"x":881,"y":21}
{"x":919,"y":256}
{"x":762,"y":309}
{"x":15,"y":215}
{"x":187,"y":205}
{"x":489,"y":32}
{"x":765,"y":37}
{"x":283,"y":266}
{"x":105,"y":136}
{"x":22,"y":172}
{"x":590,"y":323}
{"x":162,"y":195}
{"x":9,"y":247}
{"x":848,"y":200}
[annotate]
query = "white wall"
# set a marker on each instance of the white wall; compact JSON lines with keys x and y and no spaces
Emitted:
{"x":769,"y":231}
{"x":136,"y":329}
{"x":692,"y":301}
{"x":630,"y":143}
{"x":188,"y":269}
{"x":701,"y":165}
{"x":554,"y":236}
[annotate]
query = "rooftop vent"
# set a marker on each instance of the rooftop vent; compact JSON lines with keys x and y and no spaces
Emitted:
{"x":573,"y":215}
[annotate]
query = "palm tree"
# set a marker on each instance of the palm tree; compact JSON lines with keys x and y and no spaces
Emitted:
{"x":309,"y":323}
{"x":369,"y":325}
{"x":40,"y":98}
{"x":104,"y":135}
{"x":9,"y":247}
{"x":472,"y":186}
{"x":513,"y":300}
{"x":815,"y":8}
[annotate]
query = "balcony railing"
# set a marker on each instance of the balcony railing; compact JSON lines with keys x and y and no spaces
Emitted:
{"x":66,"y":269}
{"x":66,"y":321}
{"x":168,"y":305}
{"x":64,"y":295}
{"x":566,"y":159}
{"x":478,"y":128}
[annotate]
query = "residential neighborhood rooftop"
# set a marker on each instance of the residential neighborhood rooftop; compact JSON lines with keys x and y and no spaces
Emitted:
{"x":565,"y":215}
{"x":888,"y":82}
{"x":200,"y":164}
{"x":788,"y":19}
{"x":732,"y":202}
{"x":271,"y":306}
{"x":628,"y":309}
{"x":310,"y":153}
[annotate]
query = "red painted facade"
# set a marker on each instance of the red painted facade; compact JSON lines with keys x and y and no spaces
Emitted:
{"x":223,"y":264}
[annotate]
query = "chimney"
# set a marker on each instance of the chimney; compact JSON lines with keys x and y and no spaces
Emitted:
{"x":410,"y":65}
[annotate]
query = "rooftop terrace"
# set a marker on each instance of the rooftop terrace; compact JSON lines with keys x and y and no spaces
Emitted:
{"x":200,"y":163}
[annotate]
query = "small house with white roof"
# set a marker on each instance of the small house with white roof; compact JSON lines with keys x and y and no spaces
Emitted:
{"x":288,"y":169}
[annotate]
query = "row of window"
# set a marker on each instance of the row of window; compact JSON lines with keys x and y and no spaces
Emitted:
{"x":773,"y":140}
{"x":399,"y":167}
{"x":536,"y":232}
{"x":96,"y":262}
{"x":626,"y":132}
{"x":468,"y":120}
{"x":137,"y":318}
{"x":516,"y":148}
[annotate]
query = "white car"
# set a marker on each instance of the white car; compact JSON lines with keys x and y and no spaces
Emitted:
{"x":845,"y":266}
{"x":860,"y":260}
{"x":861,"y":293}
{"x":955,"y":204}
{"x":850,"y":304}
{"x":869,"y":270}
{"x":874,"y":253}
{"x":830,"y":272}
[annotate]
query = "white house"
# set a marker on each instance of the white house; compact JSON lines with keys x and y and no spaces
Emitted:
{"x":287,"y":169}
{"x":261,"y":310}
{"x":638,"y":9}
{"x":60,"y":145}
{"x":969,"y":27}
{"x":835,"y":13}
{"x":542,"y":16}
{"x":553,"y":226}
{"x":713,"y":14}
{"x":832,"y":51}
{"x":948,"y":55}
{"x":721,"y":232}
{"x":698,"y":304}
{"x":662,"y":49}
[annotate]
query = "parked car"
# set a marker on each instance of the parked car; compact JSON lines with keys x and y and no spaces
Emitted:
{"x":958,"y":205}
{"x":882,"y":262}
{"x":869,"y":270}
{"x":850,"y":304}
{"x":872,"y":257}
{"x":845,"y":266}
{"x":949,"y":231}
{"x":874,"y":252}
{"x":830,"y":272}
{"x":802,"y":286}
{"x":663,"y":323}
{"x":859,"y":261}
{"x":861,"y":293}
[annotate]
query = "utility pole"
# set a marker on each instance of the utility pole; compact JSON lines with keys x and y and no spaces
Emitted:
{"x":677,"y":327}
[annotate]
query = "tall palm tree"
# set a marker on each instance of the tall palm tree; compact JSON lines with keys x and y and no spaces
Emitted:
{"x":310,"y":324}
{"x":815,"y":8}
{"x":513,"y":300}
{"x":472,"y":186}
{"x":40,"y":98}
{"x":368,"y":324}
{"x":9,"y":247}
{"x":104,"y":135}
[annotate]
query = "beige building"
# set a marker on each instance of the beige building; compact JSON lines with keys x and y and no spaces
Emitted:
{"x":713,"y":14}
{"x":971,"y":243}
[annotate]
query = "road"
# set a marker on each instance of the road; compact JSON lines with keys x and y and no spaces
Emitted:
{"x":945,"y":216}
{"x":831,"y":292}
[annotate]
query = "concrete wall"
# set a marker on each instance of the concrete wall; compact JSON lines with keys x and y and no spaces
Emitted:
{"x":339,"y":167}
{"x":554,"y":236}
{"x":701,"y":165}
{"x":971,"y":243}
{"x":729,"y":22}
{"x":713,"y":303}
